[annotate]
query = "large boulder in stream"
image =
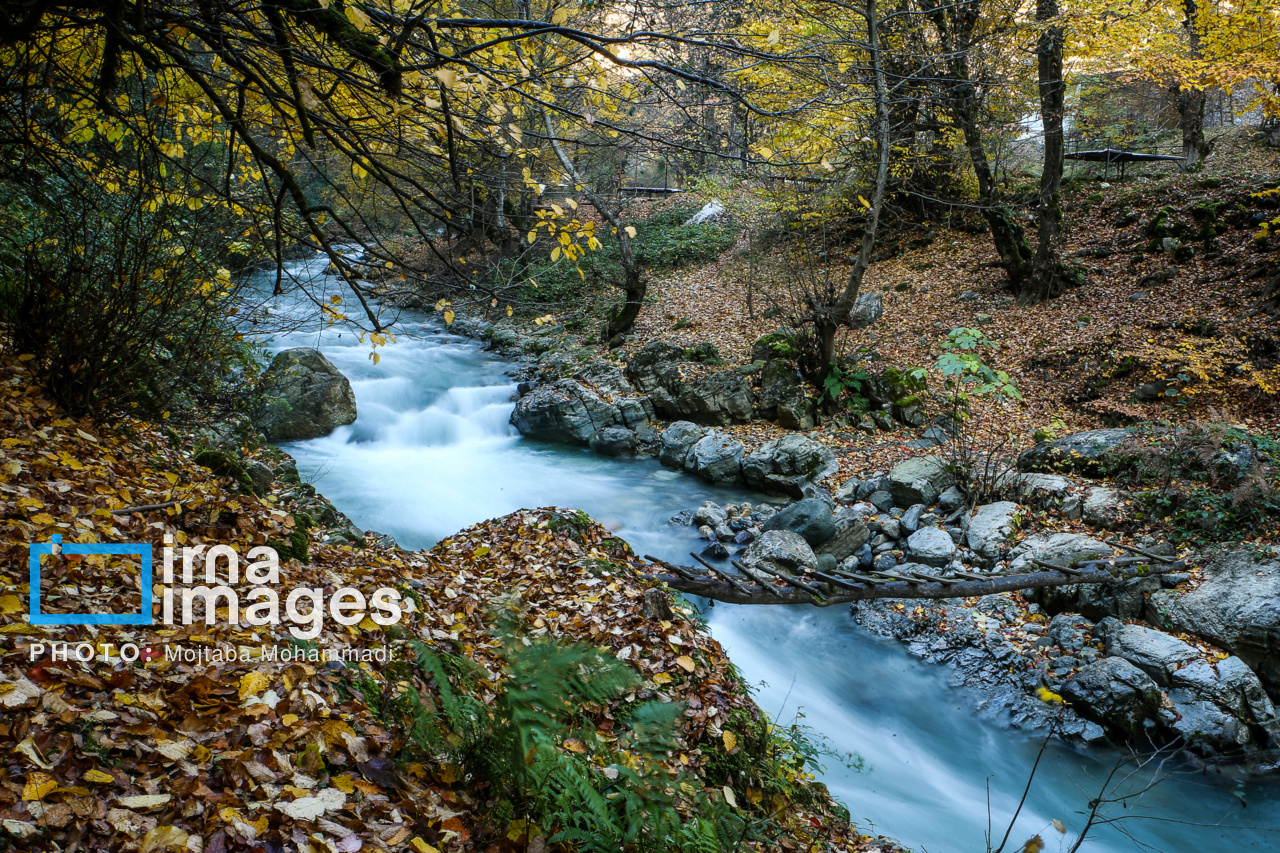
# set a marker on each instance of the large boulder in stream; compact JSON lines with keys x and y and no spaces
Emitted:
{"x":780,"y":550}
{"x":673,"y":446}
{"x":1236,"y":606}
{"x":565,"y":411}
{"x":716,"y":458}
{"x":810,"y":518}
{"x":785,"y":465}
{"x":306,"y":397}
{"x":1114,"y":693}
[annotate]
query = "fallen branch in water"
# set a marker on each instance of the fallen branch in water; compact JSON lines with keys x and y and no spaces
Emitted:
{"x":749,"y":589}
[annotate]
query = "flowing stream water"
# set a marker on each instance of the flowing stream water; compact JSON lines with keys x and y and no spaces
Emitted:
{"x":432,"y":453}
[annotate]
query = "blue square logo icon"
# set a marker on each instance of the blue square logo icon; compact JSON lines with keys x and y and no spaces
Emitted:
{"x":141,"y":549}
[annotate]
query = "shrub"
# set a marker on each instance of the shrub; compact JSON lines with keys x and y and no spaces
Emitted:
{"x":116,"y":307}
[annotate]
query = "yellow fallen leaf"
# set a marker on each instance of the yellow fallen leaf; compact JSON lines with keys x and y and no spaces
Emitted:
{"x":730,"y":739}
{"x":422,"y":846}
{"x":343,"y":783}
{"x":39,"y":786}
{"x":686,"y":663}
{"x":631,"y":231}
{"x":229,"y":815}
{"x":42,"y":518}
{"x":1047,"y":695}
{"x":162,"y":837}
{"x":10,"y":604}
{"x":252,"y":683}
{"x":662,"y":678}
{"x":96,"y":775}
{"x":289,"y":719}
{"x":574,"y":745}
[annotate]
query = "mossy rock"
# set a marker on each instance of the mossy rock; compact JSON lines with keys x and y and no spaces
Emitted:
{"x":225,"y":464}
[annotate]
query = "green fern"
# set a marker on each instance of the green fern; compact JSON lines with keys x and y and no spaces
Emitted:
{"x":516,"y":744}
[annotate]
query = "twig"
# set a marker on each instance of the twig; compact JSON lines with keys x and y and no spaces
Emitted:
{"x":145,"y":508}
{"x":1125,"y":547}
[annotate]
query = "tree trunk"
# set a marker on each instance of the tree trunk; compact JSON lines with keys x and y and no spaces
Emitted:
{"x":1190,"y":99}
{"x":1049,"y":276}
{"x":634,"y":285}
{"x":955,"y":25}
{"x":826,"y":327}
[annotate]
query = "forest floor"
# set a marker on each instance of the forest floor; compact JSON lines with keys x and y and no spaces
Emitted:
{"x":1141,"y":316}
{"x":201,"y":743}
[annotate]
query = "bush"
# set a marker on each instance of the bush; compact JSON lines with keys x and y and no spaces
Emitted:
{"x":1202,"y":479}
{"x":116,"y":308}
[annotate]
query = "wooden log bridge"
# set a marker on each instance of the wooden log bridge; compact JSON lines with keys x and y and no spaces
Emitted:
{"x":756,"y":585}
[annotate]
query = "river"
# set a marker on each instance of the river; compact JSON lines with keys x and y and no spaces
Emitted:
{"x":431,"y":453}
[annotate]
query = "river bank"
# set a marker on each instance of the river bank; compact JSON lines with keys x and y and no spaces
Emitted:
{"x":235,"y":733}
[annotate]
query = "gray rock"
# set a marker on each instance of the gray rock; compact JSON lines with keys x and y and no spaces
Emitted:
{"x":991,"y":526}
{"x":614,"y":441}
{"x":780,"y":550}
{"x":1235,"y":688}
{"x":951,"y":499}
{"x":777,"y":379}
{"x":918,"y":481}
{"x":261,"y":476}
{"x":1237,"y":607}
{"x":305,"y":397}
{"x":1154,"y":652}
{"x":910,"y":414}
{"x":827,"y":563}
{"x":676,"y":440}
{"x":891,"y":527}
{"x":716,"y":551}
{"x":868,"y":308}
{"x":931,"y":546}
{"x":785,"y":465}
{"x":796,"y":410}
{"x":1059,"y":548}
{"x":810,"y":518}
{"x":884,"y":562}
{"x":716,"y":458}
{"x":881,"y":500}
{"x":1124,"y":600}
{"x":850,"y":537}
{"x":847,"y":492}
{"x":1039,"y":489}
{"x":910,"y":520}
{"x":655,"y":366}
{"x":1114,"y":693}
{"x":710,"y":514}
{"x":607,"y":378}
{"x":719,"y":399}
{"x":1102,"y":507}
{"x":635,"y":411}
{"x":1203,"y":724}
{"x":1079,"y":452}
{"x":1070,"y":631}
{"x":565,"y":411}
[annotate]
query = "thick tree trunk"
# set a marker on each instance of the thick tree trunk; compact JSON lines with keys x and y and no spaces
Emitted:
{"x":1190,"y":99}
{"x":1049,"y":276}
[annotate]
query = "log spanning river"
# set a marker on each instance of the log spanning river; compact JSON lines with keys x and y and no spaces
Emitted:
{"x":432,"y":453}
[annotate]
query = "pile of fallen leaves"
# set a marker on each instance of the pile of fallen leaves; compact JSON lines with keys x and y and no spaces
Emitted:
{"x":170,"y":753}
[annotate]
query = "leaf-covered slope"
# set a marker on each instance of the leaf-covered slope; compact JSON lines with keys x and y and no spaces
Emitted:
{"x":204,"y":754}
